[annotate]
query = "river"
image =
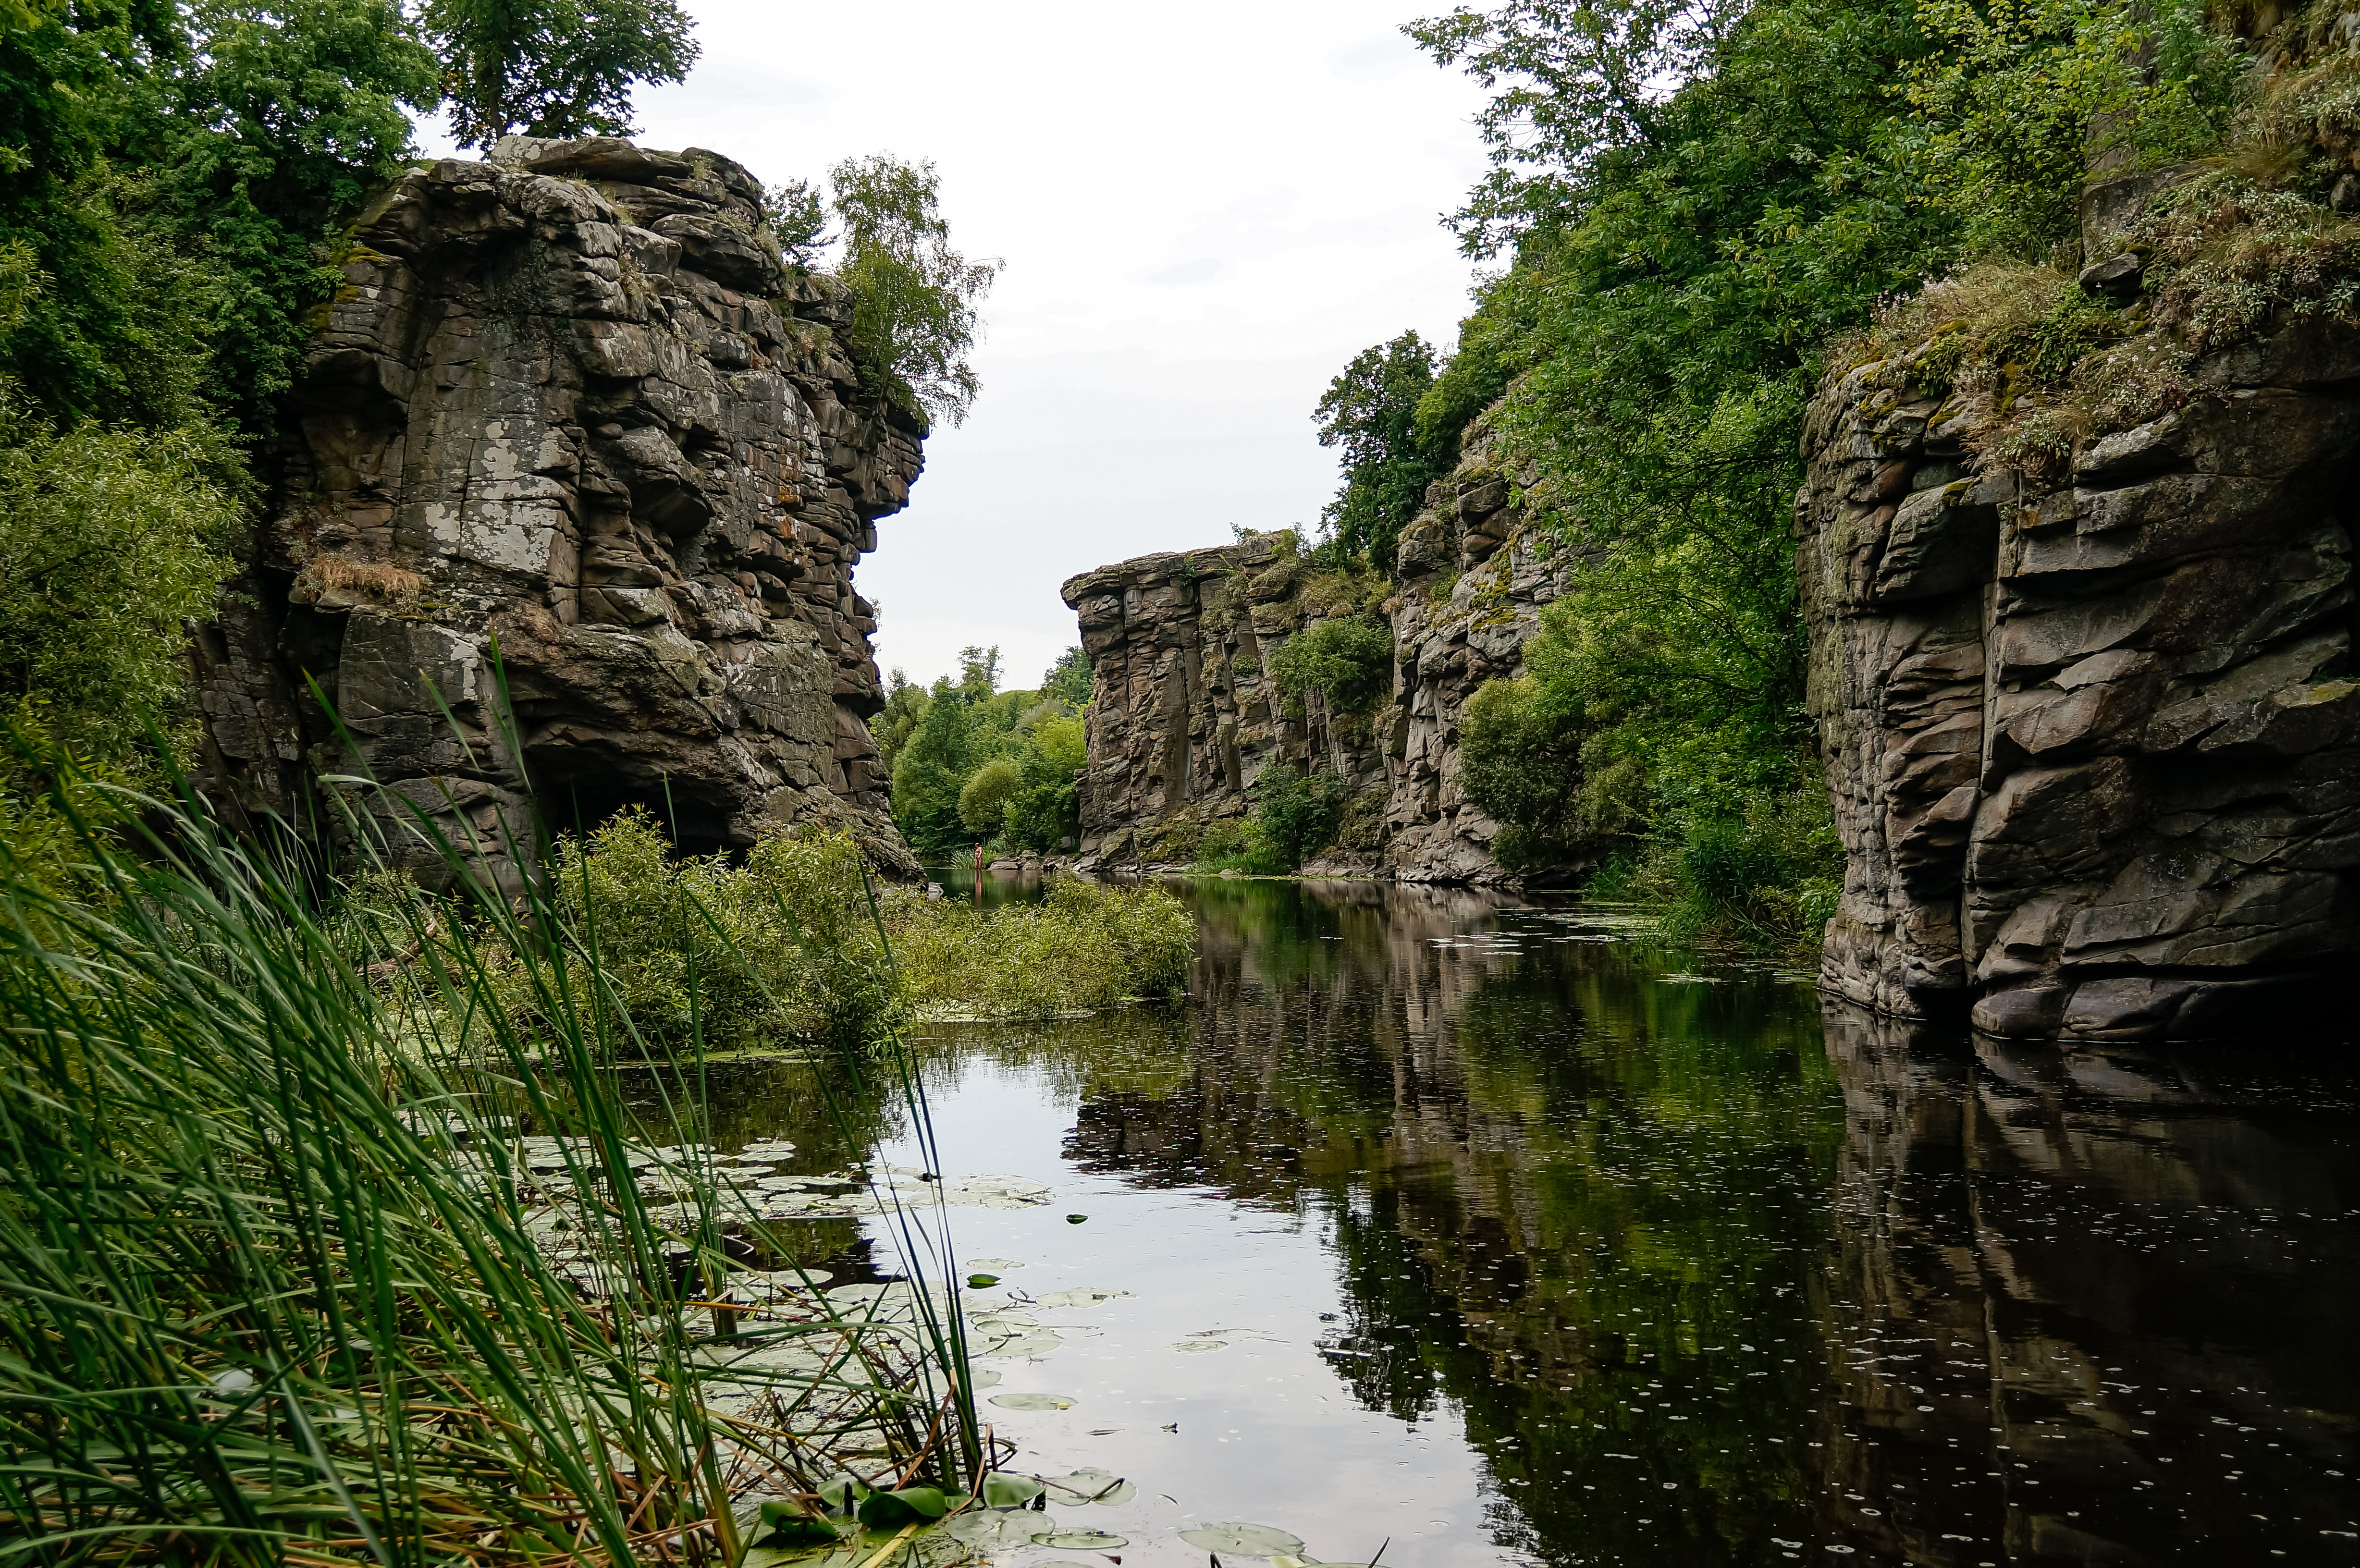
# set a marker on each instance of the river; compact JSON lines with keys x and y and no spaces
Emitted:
{"x":1461,"y":1227}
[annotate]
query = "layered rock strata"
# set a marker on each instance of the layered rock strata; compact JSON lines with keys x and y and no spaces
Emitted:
{"x":569,"y":428}
{"x":2094,"y":740}
{"x":1184,"y":717}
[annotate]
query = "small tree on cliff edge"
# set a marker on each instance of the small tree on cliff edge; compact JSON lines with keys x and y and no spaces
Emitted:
{"x":552,"y":67}
{"x":913,"y":298}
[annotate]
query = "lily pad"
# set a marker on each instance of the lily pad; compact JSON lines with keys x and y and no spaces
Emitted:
{"x":1076,"y":1219}
{"x":1025,"y":1344}
{"x":892,"y":1511}
{"x":994,"y":1529}
{"x":1086,"y":1297}
{"x":1244,"y":1539}
{"x":1200,"y":1346}
{"x":1089,"y":1485}
{"x":1085,"y":1540}
{"x":981,"y":1281}
{"x":993,"y":1263}
{"x":1004,"y":1491}
{"x":1031,"y":1401}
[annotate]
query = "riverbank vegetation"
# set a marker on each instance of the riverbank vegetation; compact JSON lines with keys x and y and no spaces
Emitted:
{"x":319,"y":1247}
{"x":1693,"y":212}
{"x":972,"y":764}
{"x":793,"y":944}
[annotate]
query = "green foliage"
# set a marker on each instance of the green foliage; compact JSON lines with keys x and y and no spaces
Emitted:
{"x":111,"y":540}
{"x":553,"y":68}
{"x":1068,"y":680}
{"x":942,"y":742}
{"x":913,"y":298}
{"x":696,"y":953}
{"x":1767,"y":873}
{"x":797,"y":215}
{"x":2018,"y":96}
{"x":984,"y":799}
{"x":185,"y":170}
{"x":1520,"y":761}
{"x":1349,"y":662}
{"x":1086,"y":946}
{"x":1294,"y":815}
{"x":1045,"y":812}
{"x":905,"y":704}
{"x":286,"y":115}
{"x":1370,"y":411}
{"x":271,"y":1230}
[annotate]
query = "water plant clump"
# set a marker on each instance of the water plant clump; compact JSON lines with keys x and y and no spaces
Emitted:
{"x":682,"y":955}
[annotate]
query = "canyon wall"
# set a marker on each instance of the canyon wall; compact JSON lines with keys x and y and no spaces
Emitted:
{"x":1184,"y":717}
{"x":570,"y":429}
{"x":2094,"y":739}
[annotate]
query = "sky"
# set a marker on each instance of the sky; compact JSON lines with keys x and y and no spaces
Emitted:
{"x":1204,"y":210}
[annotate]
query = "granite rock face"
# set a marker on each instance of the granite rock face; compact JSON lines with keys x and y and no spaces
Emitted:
{"x":2093,"y":741}
{"x":1184,"y":718}
{"x":569,"y":405}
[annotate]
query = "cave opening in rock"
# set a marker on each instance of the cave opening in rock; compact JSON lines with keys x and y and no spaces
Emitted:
{"x":582,"y":802}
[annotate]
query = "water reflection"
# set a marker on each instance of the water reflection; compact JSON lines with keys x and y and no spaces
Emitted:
{"x":1559,"y":1257}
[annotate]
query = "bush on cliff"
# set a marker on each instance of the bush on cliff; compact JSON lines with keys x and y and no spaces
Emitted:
{"x":1348,"y":661}
{"x":1294,"y":815}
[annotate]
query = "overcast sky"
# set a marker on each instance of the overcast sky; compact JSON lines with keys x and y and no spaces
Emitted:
{"x":1205,"y":210}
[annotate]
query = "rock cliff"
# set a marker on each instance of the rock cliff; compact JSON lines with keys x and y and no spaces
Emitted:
{"x":569,"y":425}
{"x":1184,"y":717}
{"x":2093,"y":740}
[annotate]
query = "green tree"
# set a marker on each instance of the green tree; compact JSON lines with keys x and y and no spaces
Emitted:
{"x":913,"y":298}
{"x":111,"y":542}
{"x":983,"y":799}
{"x":553,"y":68}
{"x":1043,"y":812}
{"x":284,"y":116}
{"x":905,"y":704}
{"x":1370,"y":411}
{"x":1068,"y":680}
{"x":933,"y":768}
{"x":1520,"y":761}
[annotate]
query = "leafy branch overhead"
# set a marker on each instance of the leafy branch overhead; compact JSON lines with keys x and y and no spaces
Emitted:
{"x":552,"y":67}
{"x":914,"y":299}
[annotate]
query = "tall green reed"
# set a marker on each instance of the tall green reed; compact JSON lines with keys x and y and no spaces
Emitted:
{"x":280,"y":1280}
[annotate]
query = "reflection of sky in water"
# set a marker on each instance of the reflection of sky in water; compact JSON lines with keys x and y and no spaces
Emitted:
{"x":1634,"y":1265}
{"x":1267,"y":1433}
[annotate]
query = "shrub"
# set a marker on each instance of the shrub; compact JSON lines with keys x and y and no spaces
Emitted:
{"x":1520,"y":760}
{"x":698,"y":952}
{"x":1349,"y":662}
{"x":1295,"y":816}
{"x":1089,"y":945}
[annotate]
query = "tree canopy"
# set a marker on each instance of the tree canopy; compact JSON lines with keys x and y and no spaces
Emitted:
{"x":553,"y":68}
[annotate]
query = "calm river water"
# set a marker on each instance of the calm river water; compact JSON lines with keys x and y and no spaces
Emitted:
{"x":1517,"y":1245}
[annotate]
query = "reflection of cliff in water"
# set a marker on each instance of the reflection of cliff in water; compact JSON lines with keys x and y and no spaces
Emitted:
{"x":2091,"y":1308}
{"x":1707,"y":1292}
{"x":1557,"y":1193}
